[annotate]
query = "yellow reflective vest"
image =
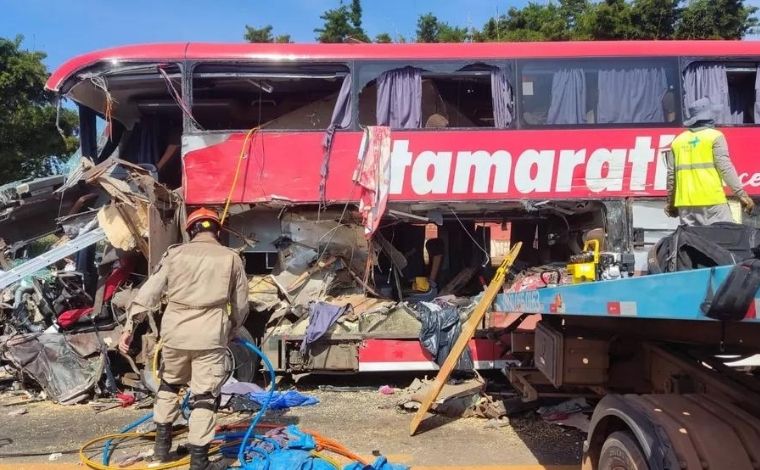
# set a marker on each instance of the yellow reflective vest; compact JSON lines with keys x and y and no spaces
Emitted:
{"x":697,"y":181}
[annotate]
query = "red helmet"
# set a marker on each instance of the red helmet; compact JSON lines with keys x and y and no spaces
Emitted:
{"x":202,"y":214}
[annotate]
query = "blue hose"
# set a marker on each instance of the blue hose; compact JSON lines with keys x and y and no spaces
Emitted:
{"x":241,"y":451}
{"x":260,"y":414}
{"x":107,"y":445}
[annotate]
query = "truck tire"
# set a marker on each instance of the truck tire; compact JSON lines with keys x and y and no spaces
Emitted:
{"x":620,"y":451}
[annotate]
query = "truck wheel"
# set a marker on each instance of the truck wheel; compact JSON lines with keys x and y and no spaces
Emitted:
{"x":621,"y":452}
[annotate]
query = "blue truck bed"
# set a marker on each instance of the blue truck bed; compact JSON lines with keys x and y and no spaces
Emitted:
{"x":671,"y":296}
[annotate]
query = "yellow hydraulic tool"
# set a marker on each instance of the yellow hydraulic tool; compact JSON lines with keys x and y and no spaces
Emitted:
{"x":584,"y":267}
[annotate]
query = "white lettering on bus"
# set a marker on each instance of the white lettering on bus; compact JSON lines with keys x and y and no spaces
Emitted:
{"x":533,"y":170}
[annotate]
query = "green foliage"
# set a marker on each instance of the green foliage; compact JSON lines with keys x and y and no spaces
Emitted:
{"x":431,"y":29}
{"x":716,"y":19}
{"x":342,"y":23}
{"x":621,"y":19}
{"x":264,"y":34}
{"x":383,"y":38}
{"x":556,"y":20}
{"x":28,"y":134}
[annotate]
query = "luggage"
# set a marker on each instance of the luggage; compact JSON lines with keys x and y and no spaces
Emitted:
{"x":735,"y":295}
{"x":690,"y":247}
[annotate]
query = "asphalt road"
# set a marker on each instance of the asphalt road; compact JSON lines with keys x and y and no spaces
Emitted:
{"x":365,"y":422}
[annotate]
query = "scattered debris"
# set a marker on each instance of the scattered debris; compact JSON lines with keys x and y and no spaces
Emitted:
{"x":568,"y":413}
{"x":55,"y":456}
{"x":386,"y":390}
{"x":18,"y":412}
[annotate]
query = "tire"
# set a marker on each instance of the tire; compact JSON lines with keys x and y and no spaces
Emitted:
{"x":620,"y":451}
{"x":246,"y":362}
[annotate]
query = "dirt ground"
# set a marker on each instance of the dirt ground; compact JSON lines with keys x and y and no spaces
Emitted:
{"x":365,"y":422}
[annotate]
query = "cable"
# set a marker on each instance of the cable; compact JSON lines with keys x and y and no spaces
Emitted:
{"x":245,"y":446}
{"x":488,"y":255}
{"x":248,"y":137}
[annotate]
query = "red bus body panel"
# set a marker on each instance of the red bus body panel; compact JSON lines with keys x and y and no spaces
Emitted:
{"x":338,"y":52}
{"x":453,"y":165}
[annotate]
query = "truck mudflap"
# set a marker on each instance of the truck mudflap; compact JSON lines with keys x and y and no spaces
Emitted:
{"x":695,"y":431}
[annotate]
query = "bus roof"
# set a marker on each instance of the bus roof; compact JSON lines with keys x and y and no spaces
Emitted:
{"x":409,"y":51}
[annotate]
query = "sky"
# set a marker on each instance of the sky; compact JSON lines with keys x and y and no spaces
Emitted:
{"x":66,"y":28}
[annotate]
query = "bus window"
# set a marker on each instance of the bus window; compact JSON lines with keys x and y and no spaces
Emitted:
{"x":729,"y":86}
{"x":598,"y":92}
{"x":242,"y":97}
{"x":462,"y":99}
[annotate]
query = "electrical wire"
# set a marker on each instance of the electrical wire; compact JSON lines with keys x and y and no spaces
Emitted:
{"x":488,"y":256}
{"x":177,"y":97}
{"x":243,"y":153}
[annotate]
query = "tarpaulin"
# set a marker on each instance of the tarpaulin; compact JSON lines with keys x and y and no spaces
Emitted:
{"x":283,"y":400}
{"x":440,"y":329}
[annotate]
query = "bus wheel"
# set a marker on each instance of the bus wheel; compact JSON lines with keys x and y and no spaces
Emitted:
{"x":621,"y":452}
{"x":247,"y":363}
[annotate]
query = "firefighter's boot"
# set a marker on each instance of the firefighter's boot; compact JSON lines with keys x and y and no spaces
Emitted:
{"x":163,"y":442}
{"x":199,"y":459}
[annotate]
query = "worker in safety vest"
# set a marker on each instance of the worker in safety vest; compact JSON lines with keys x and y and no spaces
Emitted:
{"x":697,"y":168}
{"x":207,"y":302}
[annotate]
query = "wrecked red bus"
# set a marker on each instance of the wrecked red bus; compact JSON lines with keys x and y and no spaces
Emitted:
{"x":547,"y":142}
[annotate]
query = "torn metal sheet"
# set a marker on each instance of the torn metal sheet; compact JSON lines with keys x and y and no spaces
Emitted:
{"x":49,"y":359}
{"x":56,"y":254}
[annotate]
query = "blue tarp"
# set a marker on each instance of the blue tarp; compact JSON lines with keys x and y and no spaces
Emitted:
{"x":296,"y":454}
{"x":283,"y":400}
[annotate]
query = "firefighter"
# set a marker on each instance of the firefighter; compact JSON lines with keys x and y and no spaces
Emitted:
{"x":207,"y":302}
{"x":697,"y":168}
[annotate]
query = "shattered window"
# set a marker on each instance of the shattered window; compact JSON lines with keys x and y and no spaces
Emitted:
{"x":731,"y":87}
{"x":457,"y":100}
{"x":236,"y":97}
{"x":460,"y":99}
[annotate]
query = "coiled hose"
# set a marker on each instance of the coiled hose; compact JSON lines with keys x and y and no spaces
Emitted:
{"x":227,"y":433}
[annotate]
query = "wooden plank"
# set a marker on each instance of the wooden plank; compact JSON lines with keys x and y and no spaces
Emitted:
{"x":468,"y":331}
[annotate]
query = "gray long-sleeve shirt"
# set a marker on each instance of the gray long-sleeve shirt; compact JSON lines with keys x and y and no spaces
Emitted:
{"x":723,"y":164}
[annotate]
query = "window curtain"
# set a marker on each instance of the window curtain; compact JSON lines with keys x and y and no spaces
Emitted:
{"x":399,"y":98}
{"x":707,"y":81}
{"x":568,"y":102}
{"x":88,"y":139}
{"x":501,"y":94}
{"x":341,"y":119}
{"x":631,"y":95}
{"x":148,"y":152}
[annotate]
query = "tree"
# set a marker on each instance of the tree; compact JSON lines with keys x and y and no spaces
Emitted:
{"x":430,"y":29}
{"x":383,"y":38}
{"x":655,"y":19}
{"x":610,"y":19}
{"x":28,"y":133}
{"x":620,"y":19}
{"x":715,"y":19}
{"x":342,"y":23}
{"x":263,"y":34}
{"x":427,"y":28}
